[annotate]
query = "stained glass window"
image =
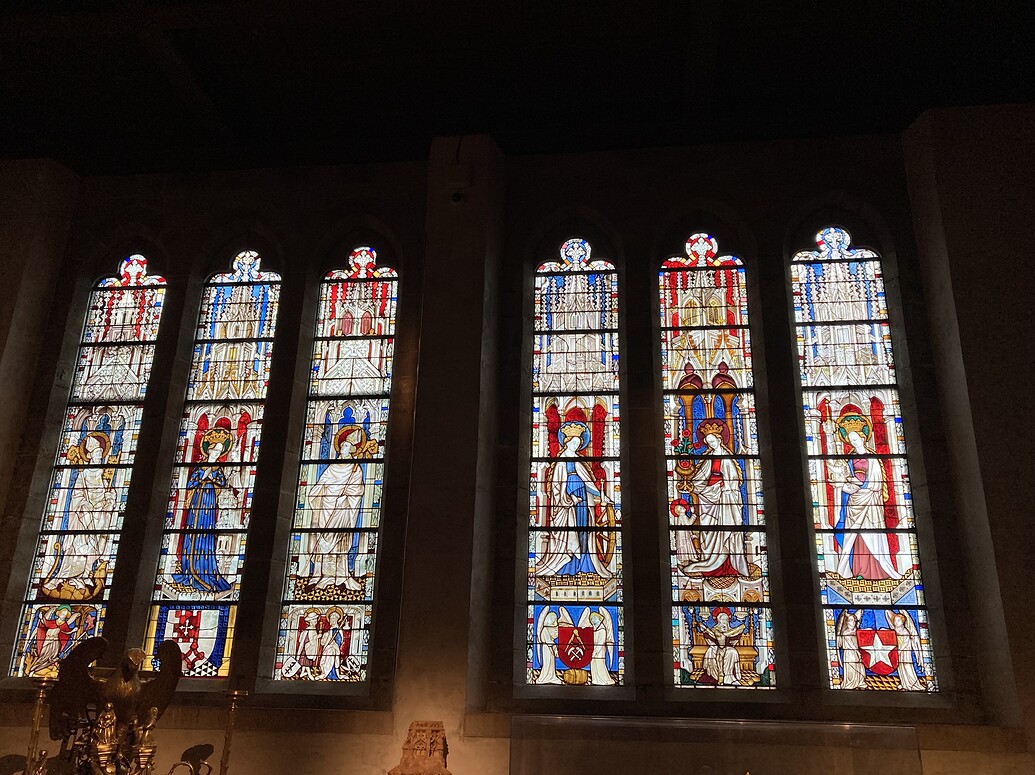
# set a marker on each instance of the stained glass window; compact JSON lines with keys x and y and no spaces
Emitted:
{"x":196,"y":588}
{"x":721,"y":619}
{"x":325,"y":619}
{"x":877,"y":632}
{"x":75,"y":555}
{"x":574,"y":596}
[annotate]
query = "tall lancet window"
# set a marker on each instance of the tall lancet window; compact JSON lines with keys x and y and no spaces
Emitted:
{"x":721,"y":619}
{"x":866,"y":549}
{"x":75,"y":555}
{"x":325,"y":621}
{"x":575,"y":613}
{"x":199,"y":572}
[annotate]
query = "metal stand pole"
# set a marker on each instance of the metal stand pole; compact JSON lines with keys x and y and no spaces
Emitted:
{"x":42,"y":687}
{"x":224,"y":762}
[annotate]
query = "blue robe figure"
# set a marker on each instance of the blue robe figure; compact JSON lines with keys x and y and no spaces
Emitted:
{"x":572,"y":493}
{"x":197,"y":550}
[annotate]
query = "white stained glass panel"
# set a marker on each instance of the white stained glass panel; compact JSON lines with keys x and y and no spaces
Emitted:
{"x":692,"y":480}
{"x":116,"y":373}
{"x":245,"y":311}
{"x":702,"y":358}
{"x":576,"y":302}
{"x":234,"y":370}
{"x":549,"y":480}
{"x":352,"y":367}
{"x":836,"y":292}
{"x":585,"y":362}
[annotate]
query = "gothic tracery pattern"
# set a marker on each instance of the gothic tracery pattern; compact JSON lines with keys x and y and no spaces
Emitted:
{"x":75,"y":556}
{"x":575,"y":622}
{"x":721,"y":620}
{"x":202,"y":556}
{"x":325,"y":620}
{"x":866,"y":549}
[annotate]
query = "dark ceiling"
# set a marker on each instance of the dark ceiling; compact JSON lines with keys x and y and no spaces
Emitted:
{"x":127,"y":85}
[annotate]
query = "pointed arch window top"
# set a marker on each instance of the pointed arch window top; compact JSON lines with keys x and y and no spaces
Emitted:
{"x":132,"y":274}
{"x":702,"y":252}
{"x":246,"y":270}
{"x":362,"y":266}
{"x":834,"y":245}
{"x":575,"y":257}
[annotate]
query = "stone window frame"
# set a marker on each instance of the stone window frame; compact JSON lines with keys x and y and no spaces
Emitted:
{"x":276,"y":474}
{"x":794,"y":615}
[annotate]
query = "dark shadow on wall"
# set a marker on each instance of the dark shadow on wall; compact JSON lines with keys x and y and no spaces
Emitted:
{"x":197,"y":757}
{"x":14,"y":764}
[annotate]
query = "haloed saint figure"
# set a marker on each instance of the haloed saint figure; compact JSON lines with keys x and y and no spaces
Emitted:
{"x":575,"y":498}
{"x":199,"y":568}
{"x":334,"y":558}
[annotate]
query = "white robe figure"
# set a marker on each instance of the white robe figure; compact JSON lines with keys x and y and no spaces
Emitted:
{"x":853,"y":673}
{"x":572,"y":493}
{"x":91,"y":502}
{"x":335,"y":500}
{"x":721,"y":660}
{"x":908,"y":647}
{"x":716,"y":484}
{"x":546,"y":643}
{"x":864,"y":554}
{"x":330,"y":645}
{"x":603,"y":646}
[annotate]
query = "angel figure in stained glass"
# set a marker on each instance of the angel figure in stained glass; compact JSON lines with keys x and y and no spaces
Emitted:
{"x":334,"y":557}
{"x":721,"y":659}
{"x":716,"y":490}
{"x":196,"y":551}
{"x":547,"y":631}
{"x":853,"y":672}
{"x":909,"y":649}
{"x":53,"y":634}
{"x":603,"y":645}
{"x":575,"y":498}
{"x":863,"y":490}
{"x":78,"y":569}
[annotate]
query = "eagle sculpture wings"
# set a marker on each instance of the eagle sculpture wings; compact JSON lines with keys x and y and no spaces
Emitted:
{"x":77,"y":689}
